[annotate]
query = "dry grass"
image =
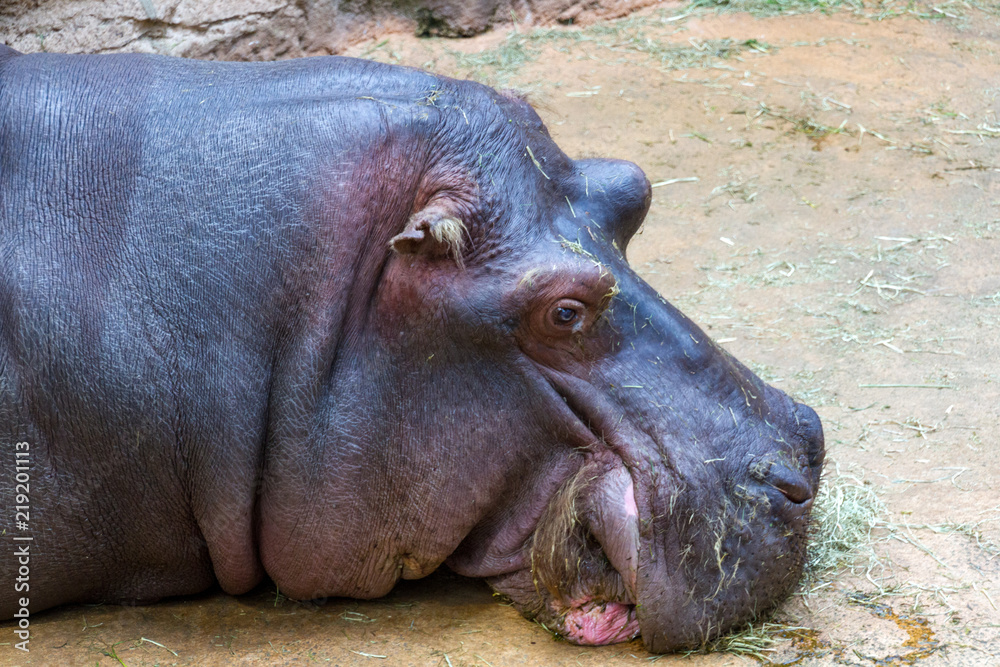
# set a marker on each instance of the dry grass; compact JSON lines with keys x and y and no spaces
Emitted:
{"x":845,"y":513}
{"x":635,"y":35}
{"x":878,"y":10}
{"x":754,"y":640}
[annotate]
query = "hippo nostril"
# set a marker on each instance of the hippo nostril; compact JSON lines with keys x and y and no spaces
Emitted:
{"x":796,"y":493}
{"x":792,"y":484}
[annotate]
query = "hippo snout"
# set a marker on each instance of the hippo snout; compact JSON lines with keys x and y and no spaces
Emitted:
{"x":749,"y":553}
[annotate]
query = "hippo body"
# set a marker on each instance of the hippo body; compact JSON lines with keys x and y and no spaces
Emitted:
{"x":338,"y":323}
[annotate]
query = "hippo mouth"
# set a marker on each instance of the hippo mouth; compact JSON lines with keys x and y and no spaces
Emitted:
{"x":584,"y":553}
{"x":594,"y":623}
{"x":584,"y":556}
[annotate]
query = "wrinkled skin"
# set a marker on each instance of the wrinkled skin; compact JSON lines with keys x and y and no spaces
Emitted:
{"x":332,"y":322}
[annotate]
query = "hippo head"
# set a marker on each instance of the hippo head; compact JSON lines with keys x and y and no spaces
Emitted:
{"x":667,"y":489}
{"x":549,"y":421}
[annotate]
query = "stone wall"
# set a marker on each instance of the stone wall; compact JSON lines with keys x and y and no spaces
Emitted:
{"x":266,"y":29}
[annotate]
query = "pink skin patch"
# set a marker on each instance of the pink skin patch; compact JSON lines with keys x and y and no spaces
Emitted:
{"x":595,"y":623}
{"x":631,"y":509}
{"x":627,"y":567}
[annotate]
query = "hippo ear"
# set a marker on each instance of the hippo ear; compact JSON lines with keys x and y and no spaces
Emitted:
{"x":432,"y":233}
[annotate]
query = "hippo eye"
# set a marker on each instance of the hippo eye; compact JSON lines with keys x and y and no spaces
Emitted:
{"x":566,"y":314}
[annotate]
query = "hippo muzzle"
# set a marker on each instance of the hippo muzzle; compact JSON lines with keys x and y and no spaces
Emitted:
{"x":647,"y":539}
{"x":718,"y":572}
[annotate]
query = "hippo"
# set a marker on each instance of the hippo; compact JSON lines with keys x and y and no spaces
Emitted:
{"x":337,"y":323}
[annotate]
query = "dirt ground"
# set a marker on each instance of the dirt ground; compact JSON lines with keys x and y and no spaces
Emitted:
{"x":827,"y":206}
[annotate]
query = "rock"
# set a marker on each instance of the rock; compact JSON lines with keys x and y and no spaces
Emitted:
{"x":266,"y":29}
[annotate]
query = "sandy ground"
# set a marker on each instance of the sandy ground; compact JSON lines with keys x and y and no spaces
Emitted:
{"x":837,"y":227}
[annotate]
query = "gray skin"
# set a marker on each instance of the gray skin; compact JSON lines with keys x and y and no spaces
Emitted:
{"x":331,"y":322}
